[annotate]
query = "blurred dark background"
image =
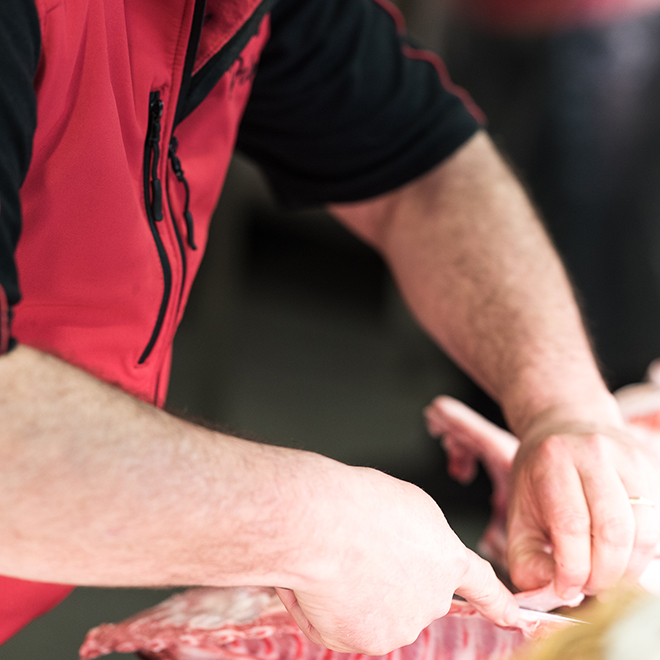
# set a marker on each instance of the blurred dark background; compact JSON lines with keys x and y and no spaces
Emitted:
{"x":295,"y":333}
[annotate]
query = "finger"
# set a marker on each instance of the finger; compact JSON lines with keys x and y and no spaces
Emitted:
{"x":612,"y":527}
{"x":531,"y":564}
{"x":481,"y":588}
{"x":647,"y":535}
{"x":565,"y":514}
{"x":647,"y":530}
{"x":289,"y":600}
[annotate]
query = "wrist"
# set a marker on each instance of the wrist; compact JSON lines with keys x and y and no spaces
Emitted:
{"x":577,"y":408}
{"x":319,"y":535}
{"x":286,"y":512}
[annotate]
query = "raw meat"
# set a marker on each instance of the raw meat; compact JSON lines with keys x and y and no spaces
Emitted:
{"x":205,"y":624}
{"x":251,"y":623}
{"x":469,"y":439}
{"x":640,"y":403}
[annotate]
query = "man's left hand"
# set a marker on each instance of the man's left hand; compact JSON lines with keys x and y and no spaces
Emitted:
{"x":570,"y":514}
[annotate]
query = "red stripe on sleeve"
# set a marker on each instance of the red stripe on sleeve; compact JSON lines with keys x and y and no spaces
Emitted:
{"x":430,"y":56}
{"x":395,"y":13}
{"x":447,"y":83}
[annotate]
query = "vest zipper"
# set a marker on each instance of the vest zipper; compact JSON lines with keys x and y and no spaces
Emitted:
{"x":153,"y":193}
{"x":178,"y":171}
{"x":153,"y":197}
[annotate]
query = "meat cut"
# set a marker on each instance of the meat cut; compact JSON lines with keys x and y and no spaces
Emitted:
{"x":252,"y":624}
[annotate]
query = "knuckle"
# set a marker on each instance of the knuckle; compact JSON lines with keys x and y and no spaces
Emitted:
{"x":572,"y":569}
{"x":598,"y":445}
{"x":540,"y":469}
{"x":571,"y":523}
{"x":575,"y":573}
{"x":616,"y":531}
{"x":488,"y":592}
{"x":474,"y":569}
{"x":552,"y":449}
{"x":485,"y":598}
{"x":558,"y":448}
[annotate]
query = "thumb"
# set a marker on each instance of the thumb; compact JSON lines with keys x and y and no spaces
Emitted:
{"x":530,"y":559}
{"x":481,"y":588}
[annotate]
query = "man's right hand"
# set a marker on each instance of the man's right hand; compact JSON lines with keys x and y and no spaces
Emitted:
{"x":384,"y":565}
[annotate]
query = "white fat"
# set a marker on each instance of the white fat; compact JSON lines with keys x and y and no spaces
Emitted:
{"x":192,"y":653}
{"x":637,"y":634}
{"x":211,"y":608}
{"x":235,"y":605}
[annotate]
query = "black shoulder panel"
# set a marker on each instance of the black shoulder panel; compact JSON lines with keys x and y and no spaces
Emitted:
{"x":20,"y":42}
{"x":344,"y":107}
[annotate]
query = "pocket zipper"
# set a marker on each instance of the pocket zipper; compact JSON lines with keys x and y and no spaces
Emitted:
{"x":153,"y":197}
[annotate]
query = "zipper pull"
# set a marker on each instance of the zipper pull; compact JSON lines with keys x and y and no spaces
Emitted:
{"x":178,"y":171}
{"x":155,"y":114}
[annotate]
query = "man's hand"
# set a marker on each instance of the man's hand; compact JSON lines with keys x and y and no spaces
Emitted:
{"x":570,"y":517}
{"x":386,"y":569}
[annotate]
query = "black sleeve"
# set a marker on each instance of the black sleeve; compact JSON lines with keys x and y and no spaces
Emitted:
{"x":19,"y":54}
{"x":344,"y":107}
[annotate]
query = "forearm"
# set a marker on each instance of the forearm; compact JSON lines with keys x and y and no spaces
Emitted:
{"x":479,"y":272}
{"x":97,"y":487}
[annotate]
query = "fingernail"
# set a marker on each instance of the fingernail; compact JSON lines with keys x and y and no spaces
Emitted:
{"x":571,"y":593}
{"x":512,"y":613}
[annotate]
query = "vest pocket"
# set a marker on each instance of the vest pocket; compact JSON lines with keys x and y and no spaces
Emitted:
{"x":153,"y":198}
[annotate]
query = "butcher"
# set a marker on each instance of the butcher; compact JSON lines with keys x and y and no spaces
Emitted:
{"x":118,"y":119}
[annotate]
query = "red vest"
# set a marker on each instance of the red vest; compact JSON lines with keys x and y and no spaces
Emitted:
{"x":110,"y":214}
